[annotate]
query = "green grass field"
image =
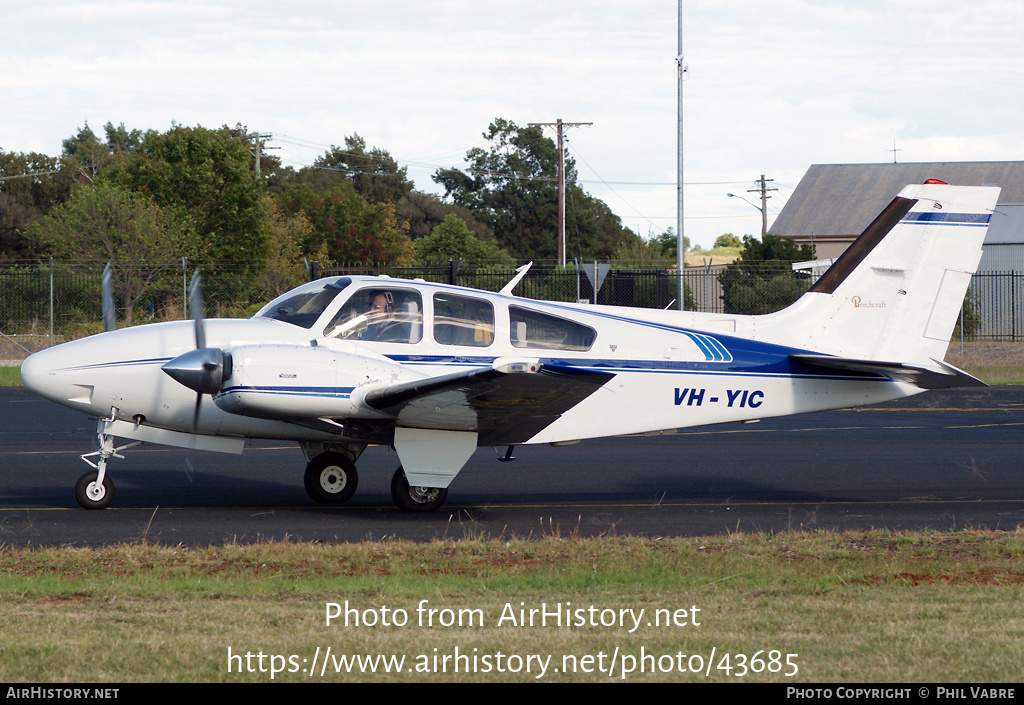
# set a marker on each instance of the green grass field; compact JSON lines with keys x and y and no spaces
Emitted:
{"x":791,"y":608}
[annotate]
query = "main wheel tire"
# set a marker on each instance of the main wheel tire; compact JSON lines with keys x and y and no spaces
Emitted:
{"x":416,"y":499}
{"x":94,"y":496}
{"x":331,"y":478}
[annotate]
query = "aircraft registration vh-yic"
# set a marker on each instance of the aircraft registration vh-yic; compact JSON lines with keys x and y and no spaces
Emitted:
{"x":436,"y":371}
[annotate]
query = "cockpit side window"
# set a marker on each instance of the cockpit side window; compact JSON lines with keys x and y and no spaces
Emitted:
{"x":532,"y":329}
{"x":303,"y":306}
{"x":381,"y":314}
{"x":463,"y":320}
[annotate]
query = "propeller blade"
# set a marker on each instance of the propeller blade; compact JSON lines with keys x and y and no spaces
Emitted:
{"x":195,"y":414}
{"x":195,"y":302}
{"x":109,"y":316}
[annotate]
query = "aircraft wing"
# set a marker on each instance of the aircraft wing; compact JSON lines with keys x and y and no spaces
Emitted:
{"x":947,"y":377}
{"x":505,"y":404}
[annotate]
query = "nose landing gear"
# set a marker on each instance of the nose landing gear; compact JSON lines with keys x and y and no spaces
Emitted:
{"x":95,"y":490}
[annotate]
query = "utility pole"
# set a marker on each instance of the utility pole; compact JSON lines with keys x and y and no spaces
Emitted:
{"x":761,"y":186}
{"x":257,"y":139}
{"x":560,"y":127}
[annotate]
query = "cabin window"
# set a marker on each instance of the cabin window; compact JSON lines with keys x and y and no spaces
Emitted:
{"x":462,"y":320}
{"x":531,"y":329}
{"x":380,"y":314}
{"x":304,"y":306}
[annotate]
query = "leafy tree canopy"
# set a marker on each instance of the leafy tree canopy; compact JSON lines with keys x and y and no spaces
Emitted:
{"x":108,"y":223}
{"x":727,"y":240}
{"x":346,"y":227}
{"x":206,"y":176}
{"x":34,"y":185}
{"x":513,"y":187}
{"x":774,"y":249}
{"x":668,"y":242}
{"x":452,"y":239}
{"x":374,"y":174}
{"x":762,"y":280}
{"x":424,"y":212}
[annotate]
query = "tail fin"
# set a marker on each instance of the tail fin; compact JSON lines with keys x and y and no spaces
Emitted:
{"x":896,"y":293}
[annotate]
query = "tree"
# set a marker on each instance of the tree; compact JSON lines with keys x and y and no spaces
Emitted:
{"x":374,"y":174}
{"x":643,"y":253}
{"x":346,"y":227}
{"x":762,"y":279}
{"x":207,"y":176}
{"x":727,"y":240}
{"x":513,"y":188}
{"x":34,"y":184}
{"x":668,"y":242}
{"x":85,"y":158}
{"x":284,"y":268}
{"x":452,"y":239}
{"x":107,"y":223}
{"x":424,"y":212}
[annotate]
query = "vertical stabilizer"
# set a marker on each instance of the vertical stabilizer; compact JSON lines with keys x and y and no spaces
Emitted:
{"x":896,"y":293}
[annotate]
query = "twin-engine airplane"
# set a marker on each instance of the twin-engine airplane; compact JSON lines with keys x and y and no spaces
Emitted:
{"x":436,"y":371}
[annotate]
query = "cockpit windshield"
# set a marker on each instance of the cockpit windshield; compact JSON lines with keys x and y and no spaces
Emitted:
{"x":303,"y":306}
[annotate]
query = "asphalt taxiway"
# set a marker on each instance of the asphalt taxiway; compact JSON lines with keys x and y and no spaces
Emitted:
{"x":940,"y":460}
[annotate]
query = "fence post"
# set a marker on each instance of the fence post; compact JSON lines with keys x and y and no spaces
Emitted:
{"x":51,"y":302}
{"x":453,"y":271}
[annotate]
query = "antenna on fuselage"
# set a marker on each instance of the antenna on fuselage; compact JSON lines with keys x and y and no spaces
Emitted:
{"x":520,"y":273}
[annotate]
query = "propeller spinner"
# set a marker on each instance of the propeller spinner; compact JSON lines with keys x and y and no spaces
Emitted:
{"x":203,"y":370}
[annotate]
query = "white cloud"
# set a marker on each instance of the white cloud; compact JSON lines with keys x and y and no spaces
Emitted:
{"x":773,"y":87}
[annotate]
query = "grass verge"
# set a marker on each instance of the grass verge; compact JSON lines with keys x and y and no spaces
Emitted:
{"x":908,"y":607}
{"x":10,"y":376}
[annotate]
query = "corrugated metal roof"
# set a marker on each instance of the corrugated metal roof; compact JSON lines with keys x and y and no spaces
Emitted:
{"x":843,"y":199}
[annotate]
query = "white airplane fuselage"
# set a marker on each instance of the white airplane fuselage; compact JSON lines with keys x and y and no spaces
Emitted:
{"x":436,"y":370}
{"x":666,"y":375}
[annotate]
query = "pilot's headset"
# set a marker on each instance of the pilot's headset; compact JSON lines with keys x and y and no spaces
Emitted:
{"x":389,"y":300}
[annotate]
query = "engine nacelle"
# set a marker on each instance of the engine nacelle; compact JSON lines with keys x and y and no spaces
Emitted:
{"x":289,"y":381}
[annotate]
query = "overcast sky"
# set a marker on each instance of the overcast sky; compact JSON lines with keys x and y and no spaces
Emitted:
{"x":772,"y":88}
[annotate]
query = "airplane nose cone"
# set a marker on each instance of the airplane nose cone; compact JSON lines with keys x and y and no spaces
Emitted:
{"x":37,"y":375}
{"x":203,"y":370}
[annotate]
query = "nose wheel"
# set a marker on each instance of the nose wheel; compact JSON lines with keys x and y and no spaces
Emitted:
{"x":93,"y":493}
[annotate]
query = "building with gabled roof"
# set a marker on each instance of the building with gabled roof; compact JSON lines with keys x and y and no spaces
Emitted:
{"x":834,"y":203}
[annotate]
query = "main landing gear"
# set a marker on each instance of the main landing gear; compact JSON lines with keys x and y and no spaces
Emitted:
{"x":415,"y":500}
{"x":331,"y":478}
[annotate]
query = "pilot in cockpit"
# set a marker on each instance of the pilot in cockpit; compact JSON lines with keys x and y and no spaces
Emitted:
{"x":380,"y":313}
{"x":376,"y":317}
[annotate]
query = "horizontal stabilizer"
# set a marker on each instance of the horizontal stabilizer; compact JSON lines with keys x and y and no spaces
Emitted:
{"x":504,"y":404}
{"x":946,"y":377}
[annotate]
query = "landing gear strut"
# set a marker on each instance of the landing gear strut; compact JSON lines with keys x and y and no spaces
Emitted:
{"x":95,"y":490}
{"x":416,"y":499}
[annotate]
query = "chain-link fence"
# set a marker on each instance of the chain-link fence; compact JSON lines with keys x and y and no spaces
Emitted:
{"x":45,"y":303}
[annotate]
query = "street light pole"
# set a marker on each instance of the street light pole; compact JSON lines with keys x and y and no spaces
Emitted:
{"x":681,"y":70}
{"x":764,"y":216}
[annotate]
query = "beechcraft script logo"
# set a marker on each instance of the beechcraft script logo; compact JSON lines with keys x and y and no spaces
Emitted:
{"x":859,"y":303}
